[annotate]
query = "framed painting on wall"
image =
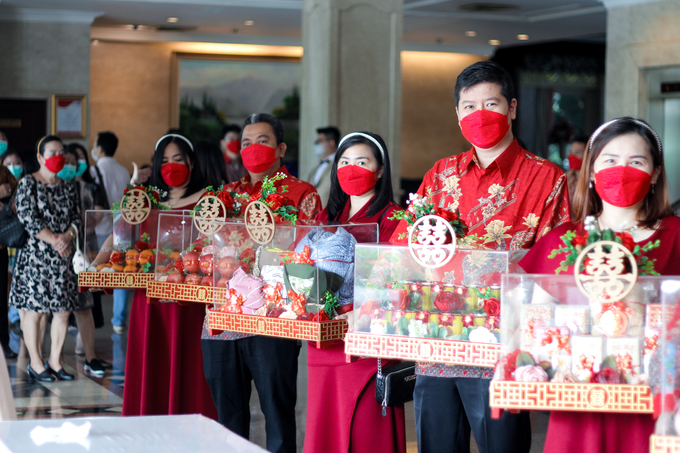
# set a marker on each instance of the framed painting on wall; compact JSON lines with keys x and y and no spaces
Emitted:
{"x":215,"y":90}
{"x":69,"y":116}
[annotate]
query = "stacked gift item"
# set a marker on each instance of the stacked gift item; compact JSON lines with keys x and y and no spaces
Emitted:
{"x":599,"y":325}
{"x":664,"y":362}
{"x":460,"y":300}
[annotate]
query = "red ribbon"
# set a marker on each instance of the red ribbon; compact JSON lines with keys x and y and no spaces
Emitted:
{"x":624,"y":362}
{"x":234,"y":302}
{"x":650,"y":343}
{"x":303,"y":257}
{"x":553,"y":334}
{"x":298,"y":301}
{"x":586,"y":362}
{"x":273,"y":293}
{"x":621,"y":306}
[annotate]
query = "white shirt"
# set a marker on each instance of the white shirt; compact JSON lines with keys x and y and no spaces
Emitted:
{"x":321,"y":168}
{"x":115,"y":180}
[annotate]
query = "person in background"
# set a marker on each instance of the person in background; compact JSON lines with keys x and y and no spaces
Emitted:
{"x":114,"y":178}
{"x":231,"y":147}
{"x":3,"y":143}
{"x":44,"y":282}
{"x":575,"y":159}
{"x":623,"y":185}
{"x":8,"y":186}
{"x":325,"y":146}
{"x":14,"y":162}
{"x":91,"y":197}
{"x":360,"y":192}
{"x":211,"y":164}
{"x":232,"y":361}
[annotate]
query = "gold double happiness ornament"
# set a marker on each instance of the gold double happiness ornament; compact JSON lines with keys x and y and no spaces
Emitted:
{"x":260,"y":222}
{"x":605,"y":280}
{"x":135,"y":206}
{"x":428,"y":248}
{"x":207,"y":214}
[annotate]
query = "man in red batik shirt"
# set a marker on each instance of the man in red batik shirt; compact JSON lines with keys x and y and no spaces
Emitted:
{"x":232,"y":360}
{"x":508,"y":198}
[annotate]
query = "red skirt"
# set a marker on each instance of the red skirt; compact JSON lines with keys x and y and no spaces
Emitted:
{"x":593,"y":432}
{"x":164,"y":365}
{"x":342,"y":413}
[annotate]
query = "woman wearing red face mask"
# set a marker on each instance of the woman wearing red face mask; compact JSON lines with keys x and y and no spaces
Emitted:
{"x":623,"y":185}
{"x":164,"y":366}
{"x":361,"y":192}
{"x":44,"y":281}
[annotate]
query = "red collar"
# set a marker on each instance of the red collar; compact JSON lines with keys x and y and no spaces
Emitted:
{"x":503,"y":162}
{"x":245,"y":181}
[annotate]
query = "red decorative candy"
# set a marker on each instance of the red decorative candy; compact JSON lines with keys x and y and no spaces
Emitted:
{"x":190,"y":262}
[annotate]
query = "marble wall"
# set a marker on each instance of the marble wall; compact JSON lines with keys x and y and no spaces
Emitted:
{"x":639,"y":37}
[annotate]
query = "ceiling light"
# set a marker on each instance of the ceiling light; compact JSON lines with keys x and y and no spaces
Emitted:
{"x":173,"y":20}
{"x":471,"y":34}
{"x":523,"y":37}
{"x":95,"y":42}
{"x":248,"y":23}
{"x":494,"y":42}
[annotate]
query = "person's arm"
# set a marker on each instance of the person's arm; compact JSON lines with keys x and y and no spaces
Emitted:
{"x":556,"y":210}
{"x":310,"y":206}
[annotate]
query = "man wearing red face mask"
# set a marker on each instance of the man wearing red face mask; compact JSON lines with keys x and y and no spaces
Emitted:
{"x":509,"y":198}
{"x":232,"y":361}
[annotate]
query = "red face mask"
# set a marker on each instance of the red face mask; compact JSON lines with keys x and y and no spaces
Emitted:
{"x":174,"y":174}
{"x":55,"y":163}
{"x":484,"y":128}
{"x":575,"y":162}
{"x":234,"y":146}
{"x":622,"y":186}
{"x":356,"y":180}
{"x":258,"y":158}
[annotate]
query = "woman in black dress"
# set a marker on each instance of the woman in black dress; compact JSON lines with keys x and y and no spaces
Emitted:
{"x":44,"y":280}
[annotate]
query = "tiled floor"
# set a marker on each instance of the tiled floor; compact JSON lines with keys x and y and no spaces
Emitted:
{"x":87,"y":396}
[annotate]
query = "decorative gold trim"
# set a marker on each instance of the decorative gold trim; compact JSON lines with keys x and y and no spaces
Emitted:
{"x":605,"y":271}
{"x":260,"y":223}
{"x":431,"y":251}
{"x":135,"y":206}
{"x":207,"y":213}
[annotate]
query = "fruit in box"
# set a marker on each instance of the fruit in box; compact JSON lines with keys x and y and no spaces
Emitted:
{"x":175,"y":277}
{"x":206,"y":263}
{"x":147,"y":256}
{"x":117,"y":267}
{"x":222,"y":282}
{"x":193,"y":279}
{"x":103,"y":266}
{"x":227,"y":266}
{"x":131,"y":268}
{"x":190,"y":262}
{"x":207,"y":280}
{"x":448,"y":302}
{"x":131,"y":257}
{"x":175,"y":256}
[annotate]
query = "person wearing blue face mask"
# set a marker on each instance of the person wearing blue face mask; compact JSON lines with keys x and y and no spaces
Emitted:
{"x":68,"y":173}
{"x":14,"y":162}
{"x":3,"y":143}
{"x":88,"y":312}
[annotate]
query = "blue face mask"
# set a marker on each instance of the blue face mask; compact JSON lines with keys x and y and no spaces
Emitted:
{"x":82,"y":166}
{"x":67,"y":173}
{"x":16,"y":170}
{"x":3,"y":146}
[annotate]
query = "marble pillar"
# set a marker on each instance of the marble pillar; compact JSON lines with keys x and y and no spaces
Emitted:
{"x":351,"y":73}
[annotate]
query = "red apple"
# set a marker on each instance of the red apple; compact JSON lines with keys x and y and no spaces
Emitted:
{"x":227,"y":266}
{"x":193,"y":279}
{"x":222,"y":282}
{"x":207,"y":280}
{"x":175,"y":277}
{"x":190,"y":262}
{"x":206,"y":263}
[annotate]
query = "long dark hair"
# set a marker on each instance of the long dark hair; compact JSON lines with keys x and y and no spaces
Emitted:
{"x":655,"y":205}
{"x":87,"y":177}
{"x":383,"y":187}
{"x":196,"y":181}
{"x":211,"y":163}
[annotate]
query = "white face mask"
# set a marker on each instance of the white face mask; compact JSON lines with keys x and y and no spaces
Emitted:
{"x":319,"y":150}
{"x":95,"y":154}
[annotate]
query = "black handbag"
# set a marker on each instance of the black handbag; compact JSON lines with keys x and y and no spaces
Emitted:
{"x":12,"y":231}
{"x":395,"y":384}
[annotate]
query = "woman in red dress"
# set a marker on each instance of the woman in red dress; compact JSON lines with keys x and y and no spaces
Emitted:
{"x":164,"y":365}
{"x":342,"y":413}
{"x":623,"y":185}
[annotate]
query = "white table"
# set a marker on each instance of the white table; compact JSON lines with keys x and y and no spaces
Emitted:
{"x":154,"y":434}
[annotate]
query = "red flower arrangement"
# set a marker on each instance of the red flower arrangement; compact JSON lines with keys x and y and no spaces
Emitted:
{"x":492,"y":306}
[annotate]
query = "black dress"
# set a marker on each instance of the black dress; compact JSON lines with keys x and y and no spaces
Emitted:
{"x":43,"y":281}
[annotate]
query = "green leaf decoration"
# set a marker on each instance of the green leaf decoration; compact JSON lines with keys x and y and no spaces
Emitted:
{"x":609,"y":362}
{"x":524,"y":359}
{"x":402,"y":326}
{"x":548,"y":369}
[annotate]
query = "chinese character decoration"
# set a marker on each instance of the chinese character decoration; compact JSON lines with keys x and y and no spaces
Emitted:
{"x":135,"y":206}
{"x":610,"y":271}
{"x":259,"y":222}
{"x":208,"y":212}
{"x":432,"y":241}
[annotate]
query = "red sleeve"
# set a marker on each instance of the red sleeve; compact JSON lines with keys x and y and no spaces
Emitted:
{"x":387,"y":226}
{"x":400,"y":229}
{"x":536,"y":260}
{"x":556,"y":210}
{"x":310,"y":205}
{"x":322,"y":216}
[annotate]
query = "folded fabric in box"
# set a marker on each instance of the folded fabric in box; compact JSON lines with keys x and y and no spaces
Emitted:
{"x":553,"y":344}
{"x":626,"y":352}
{"x":616,"y":319}
{"x":333,"y":252}
{"x":310,"y":281}
{"x":249,"y":287}
{"x":271,"y":275}
{"x":575,"y":317}
{"x":532,"y":316}
{"x":586,"y":355}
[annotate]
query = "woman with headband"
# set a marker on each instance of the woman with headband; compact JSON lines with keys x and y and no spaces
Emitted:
{"x":44,"y":280}
{"x":352,"y":420}
{"x":164,"y":366}
{"x":623,"y":186}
